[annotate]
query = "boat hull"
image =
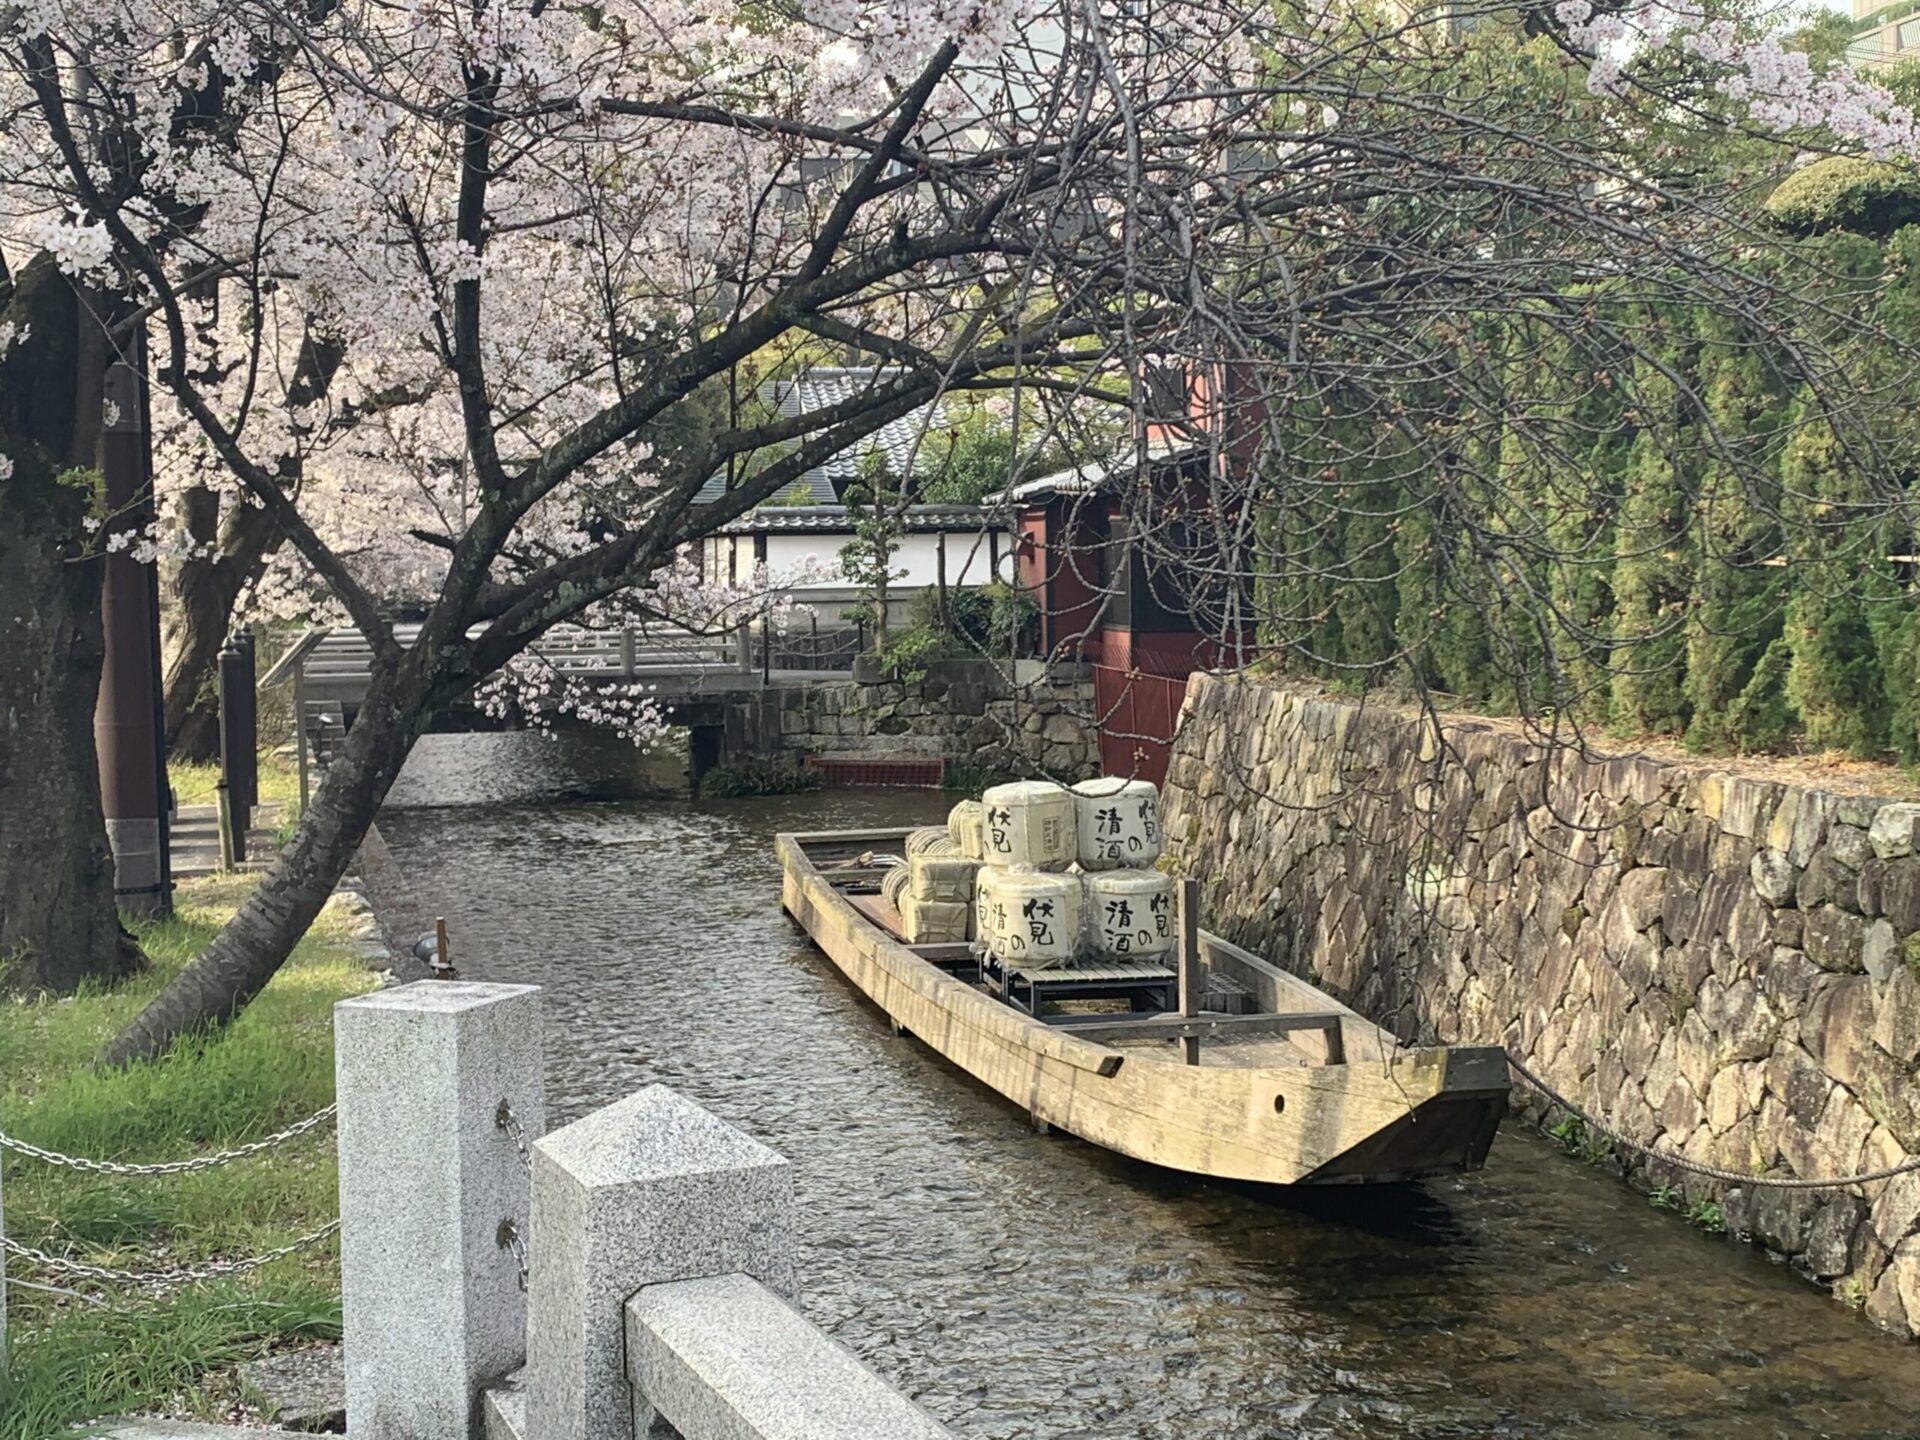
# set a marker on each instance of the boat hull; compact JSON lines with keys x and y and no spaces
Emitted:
{"x":1388,"y":1117}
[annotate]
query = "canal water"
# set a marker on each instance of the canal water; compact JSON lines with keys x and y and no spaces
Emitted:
{"x":1022,"y":1285}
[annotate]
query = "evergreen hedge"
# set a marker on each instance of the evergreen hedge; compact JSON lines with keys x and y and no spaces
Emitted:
{"x":1642,"y":580}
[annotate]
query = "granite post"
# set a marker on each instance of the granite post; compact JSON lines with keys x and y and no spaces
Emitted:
{"x":647,"y":1190}
{"x":432,"y":1304}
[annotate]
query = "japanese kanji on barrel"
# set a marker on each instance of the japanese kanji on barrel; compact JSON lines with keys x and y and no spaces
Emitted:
{"x":1130,"y":914}
{"x":1029,"y":822}
{"x":1117,"y":823}
{"x":1028,"y":917}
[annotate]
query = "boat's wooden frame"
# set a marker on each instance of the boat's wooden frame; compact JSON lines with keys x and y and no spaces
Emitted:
{"x":1371,"y":1110}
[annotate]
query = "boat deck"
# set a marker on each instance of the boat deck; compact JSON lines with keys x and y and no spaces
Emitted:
{"x":1223,"y":1048}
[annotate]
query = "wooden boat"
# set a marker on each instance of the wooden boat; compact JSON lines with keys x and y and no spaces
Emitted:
{"x":1300,"y":1091}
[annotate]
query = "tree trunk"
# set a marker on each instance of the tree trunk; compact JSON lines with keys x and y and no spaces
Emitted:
{"x":203,"y":593}
{"x":220,"y":982}
{"x":58,"y":923}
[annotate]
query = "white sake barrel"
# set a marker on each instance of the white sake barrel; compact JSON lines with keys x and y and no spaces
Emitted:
{"x":934,"y":922}
{"x":938,"y":876}
{"x":925,"y":838}
{"x":893,"y":885}
{"x":1130,"y":914}
{"x":1027,"y":917}
{"x":966,"y":826}
{"x":1117,"y":822}
{"x":1029,"y":822}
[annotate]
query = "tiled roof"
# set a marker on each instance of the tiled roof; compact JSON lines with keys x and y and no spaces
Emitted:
{"x":916,"y":518}
{"x":1093,"y":476}
{"x":901,"y":441}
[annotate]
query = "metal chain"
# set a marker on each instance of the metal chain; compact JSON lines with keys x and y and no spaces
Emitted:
{"x":506,"y":1120}
{"x":166,"y":1167}
{"x":1711,"y":1172}
{"x":162,"y":1280}
{"x":508,"y":1238}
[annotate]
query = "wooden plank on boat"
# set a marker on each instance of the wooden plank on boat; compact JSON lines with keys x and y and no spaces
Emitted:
{"x":1108,"y":1028}
{"x":1275,"y":990}
{"x":1067,"y":974}
{"x":1193,"y":981}
{"x":951,"y":954}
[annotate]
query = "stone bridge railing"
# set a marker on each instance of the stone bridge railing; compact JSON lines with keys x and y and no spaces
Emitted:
{"x":629,"y":1275}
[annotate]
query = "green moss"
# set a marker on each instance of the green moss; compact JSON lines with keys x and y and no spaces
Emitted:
{"x":967,"y":776}
{"x":1571,"y":920}
{"x":756,"y":777}
{"x":1910,"y":952}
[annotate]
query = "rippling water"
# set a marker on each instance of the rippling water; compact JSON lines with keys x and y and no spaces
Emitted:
{"x":1030,"y":1286}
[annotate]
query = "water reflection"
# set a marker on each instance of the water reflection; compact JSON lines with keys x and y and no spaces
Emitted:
{"x":1029,"y":1286}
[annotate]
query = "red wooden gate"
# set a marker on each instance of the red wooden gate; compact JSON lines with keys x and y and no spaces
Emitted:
{"x":1136,"y":715}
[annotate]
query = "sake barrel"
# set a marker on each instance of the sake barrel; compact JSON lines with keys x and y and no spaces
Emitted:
{"x":1130,"y":914}
{"x":925,"y":838}
{"x":939,"y":876}
{"x":893,"y":885}
{"x":1027,"y":917}
{"x":934,"y":922}
{"x":1029,"y":822}
{"x":966,"y":826}
{"x":1117,"y":822}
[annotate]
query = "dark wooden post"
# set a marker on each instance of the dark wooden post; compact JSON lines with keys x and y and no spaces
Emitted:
{"x":236,"y":750}
{"x":126,"y":728}
{"x":1192,"y":980}
{"x":940,"y":615}
{"x":246,"y":697}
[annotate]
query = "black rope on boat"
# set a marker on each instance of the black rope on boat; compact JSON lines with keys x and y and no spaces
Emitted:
{"x":1711,"y":1172}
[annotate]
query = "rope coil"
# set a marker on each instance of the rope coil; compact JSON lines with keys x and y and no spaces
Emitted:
{"x":1695,"y":1167}
{"x":165,"y":1167}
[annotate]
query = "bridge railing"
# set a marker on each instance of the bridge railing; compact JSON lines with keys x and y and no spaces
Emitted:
{"x":500,"y":1280}
{"x":631,"y":652}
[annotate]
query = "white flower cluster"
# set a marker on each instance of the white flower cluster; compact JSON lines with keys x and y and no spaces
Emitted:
{"x":81,"y":249}
{"x":531,"y":691}
{"x":1780,"y":86}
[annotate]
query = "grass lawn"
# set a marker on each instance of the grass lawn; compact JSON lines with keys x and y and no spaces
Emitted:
{"x":71,"y":1360}
{"x":193,"y":784}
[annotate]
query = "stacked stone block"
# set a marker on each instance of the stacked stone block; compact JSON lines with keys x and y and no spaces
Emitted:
{"x":961,"y":711}
{"x":1722,"y":966}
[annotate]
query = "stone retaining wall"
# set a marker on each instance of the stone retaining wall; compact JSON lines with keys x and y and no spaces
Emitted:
{"x":1723,"y":966}
{"x":961,"y":711}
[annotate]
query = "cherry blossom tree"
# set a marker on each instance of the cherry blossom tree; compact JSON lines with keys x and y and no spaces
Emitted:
{"x":484,"y":291}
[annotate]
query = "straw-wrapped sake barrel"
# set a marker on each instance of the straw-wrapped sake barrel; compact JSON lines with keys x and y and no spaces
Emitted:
{"x":1029,"y":822}
{"x":1117,"y":823}
{"x":1027,"y":917}
{"x":1130,"y":914}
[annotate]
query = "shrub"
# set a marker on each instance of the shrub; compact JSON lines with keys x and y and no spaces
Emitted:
{"x":1866,"y":197}
{"x":756,"y":777}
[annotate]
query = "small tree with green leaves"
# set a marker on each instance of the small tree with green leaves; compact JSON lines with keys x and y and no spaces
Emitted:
{"x":876,"y":505}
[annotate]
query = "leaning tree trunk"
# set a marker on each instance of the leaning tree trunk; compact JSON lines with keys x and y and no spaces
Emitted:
{"x":220,"y":982}
{"x":58,"y":923}
{"x":203,"y":593}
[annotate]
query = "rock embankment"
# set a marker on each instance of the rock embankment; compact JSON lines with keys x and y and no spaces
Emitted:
{"x":960,"y":711}
{"x":1724,"y":967}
